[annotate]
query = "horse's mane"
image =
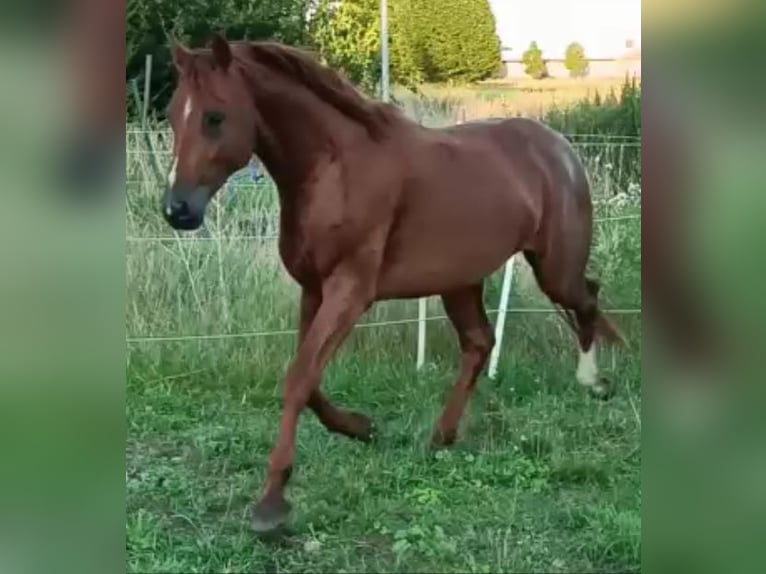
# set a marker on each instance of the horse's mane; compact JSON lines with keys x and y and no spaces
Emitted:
{"x":327,"y":84}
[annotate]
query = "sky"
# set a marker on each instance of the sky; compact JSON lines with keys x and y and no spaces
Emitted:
{"x":601,"y":26}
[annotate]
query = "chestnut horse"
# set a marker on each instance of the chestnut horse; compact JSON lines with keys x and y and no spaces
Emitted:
{"x":373,"y":207}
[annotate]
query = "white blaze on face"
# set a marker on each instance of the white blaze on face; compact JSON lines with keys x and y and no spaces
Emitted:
{"x":185,"y":117}
{"x":172,"y":174}
{"x":587,"y":371}
{"x":171,"y":183}
{"x":187,"y":109}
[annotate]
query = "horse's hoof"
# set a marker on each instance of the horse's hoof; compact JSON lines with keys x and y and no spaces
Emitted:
{"x":364,"y":428}
{"x":603,"y":390}
{"x":443,"y":439}
{"x":269,"y":515}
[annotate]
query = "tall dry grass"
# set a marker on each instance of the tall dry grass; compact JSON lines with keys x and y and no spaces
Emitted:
{"x":501,"y":98}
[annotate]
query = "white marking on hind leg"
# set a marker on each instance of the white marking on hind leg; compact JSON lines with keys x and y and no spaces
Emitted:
{"x":587,"y":374}
{"x":587,"y":371}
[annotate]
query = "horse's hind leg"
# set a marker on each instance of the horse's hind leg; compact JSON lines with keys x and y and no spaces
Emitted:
{"x":587,"y":315}
{"x":465,"y":309}
{"x":566,"y":285}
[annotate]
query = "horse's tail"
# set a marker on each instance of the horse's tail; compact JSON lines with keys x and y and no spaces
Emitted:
{"x":605,"y":329}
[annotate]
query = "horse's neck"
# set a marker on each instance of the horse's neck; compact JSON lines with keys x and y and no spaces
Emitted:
{"x":295,"y":136}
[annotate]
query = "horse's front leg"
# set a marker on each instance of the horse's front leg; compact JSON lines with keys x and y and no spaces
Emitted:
{"x":345,"y":296}
{"x":337,"y":420}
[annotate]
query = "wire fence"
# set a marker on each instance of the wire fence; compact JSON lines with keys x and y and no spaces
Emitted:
{"x":274,"y":237}
{"x":167,"y":133}
{"x":375,"y":324}
{"x":577,"y":143}
{"x":423,"y":318}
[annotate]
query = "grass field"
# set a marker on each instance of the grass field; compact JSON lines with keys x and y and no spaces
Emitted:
{"x":543,"y":478}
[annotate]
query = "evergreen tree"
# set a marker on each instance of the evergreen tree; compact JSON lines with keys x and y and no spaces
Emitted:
{"x":456,"y":40}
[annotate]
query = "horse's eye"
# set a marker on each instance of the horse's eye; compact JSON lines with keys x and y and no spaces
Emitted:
{"x":211,"y":122}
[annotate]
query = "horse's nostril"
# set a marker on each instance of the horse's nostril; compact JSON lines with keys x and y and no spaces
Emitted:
{"x":181,"y":212}
{"x":181,"y":208}
{"x":176,"y":209}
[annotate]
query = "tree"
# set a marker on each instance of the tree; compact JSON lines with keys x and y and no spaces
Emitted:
{"x":430,"y":40}
{"x":534,"y":65}
{"x":404,"y":43}
{"x":455,"y":40}
{"x":347,"y":36}
{"x":575,"y":60}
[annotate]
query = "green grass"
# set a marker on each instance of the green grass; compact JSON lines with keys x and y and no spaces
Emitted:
{"x":543,"y":478}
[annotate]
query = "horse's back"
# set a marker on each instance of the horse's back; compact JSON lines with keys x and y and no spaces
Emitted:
{"x":531,"y":144}
{"x":520,"y":137}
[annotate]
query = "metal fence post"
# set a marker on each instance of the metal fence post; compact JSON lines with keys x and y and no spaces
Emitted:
{"x":505,"y":294}
{"x":422,"y":311}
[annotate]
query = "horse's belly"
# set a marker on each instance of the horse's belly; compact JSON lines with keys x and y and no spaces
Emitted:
{"x":428,"y":261}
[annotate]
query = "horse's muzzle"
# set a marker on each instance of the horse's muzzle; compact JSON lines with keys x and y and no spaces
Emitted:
{"x":184,"y":211}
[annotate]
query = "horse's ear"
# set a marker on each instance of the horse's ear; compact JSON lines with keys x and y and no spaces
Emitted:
{"x":221,"y":51}
{"x":182,"y":57}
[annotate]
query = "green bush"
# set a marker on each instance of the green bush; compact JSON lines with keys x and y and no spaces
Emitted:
{"x":347,"y":35}
{"x":618,"y":118}
{"x":610,"y":115}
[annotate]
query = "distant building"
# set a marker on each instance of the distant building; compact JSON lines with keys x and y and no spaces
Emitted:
{"x":627,"y":63}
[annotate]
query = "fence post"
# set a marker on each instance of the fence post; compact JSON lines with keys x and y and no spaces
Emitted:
{"x":384,"y":63}
{"x":505,"y":294}
{"x":147,"y":91}
{"x":147,"y":138}
{"x":422,"y":309}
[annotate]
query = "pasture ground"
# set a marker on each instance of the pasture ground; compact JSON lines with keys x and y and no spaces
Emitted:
{"x":543,"y":479}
